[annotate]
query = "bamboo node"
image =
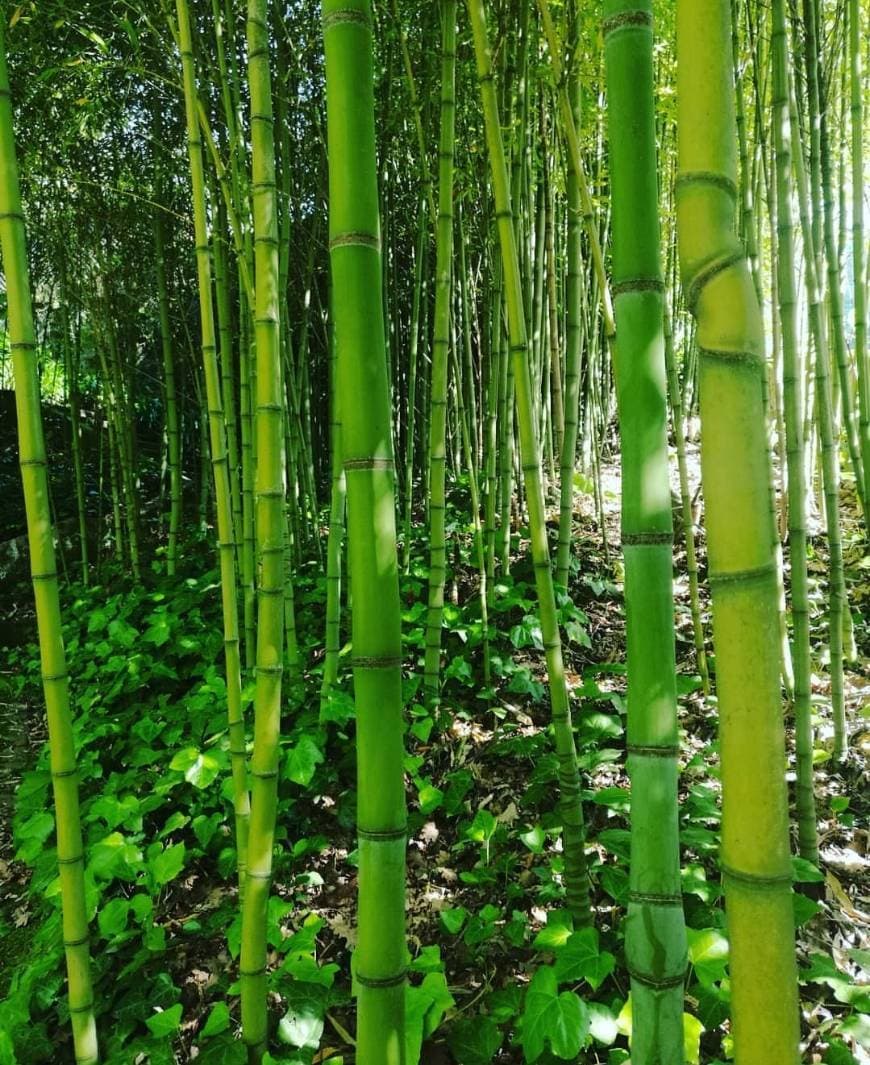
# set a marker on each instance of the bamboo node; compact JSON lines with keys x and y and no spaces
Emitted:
{"x":639,"y":539}
{"x":383,"y":981}
{"x":757,"y":573}
{"x":77,"y":942}
{"x":626,"y":20}
{"x":346,"y":15}
{"x":706,"y":177}
{"x":87,"y":1008}
{"x":375,"y":462}
{"x":652,"y":750}
{"x":755,"y":879}
{"x":653,"y":898}
{"x":741,"y":359}
{"x":384,"y":836}
{"x":637,"y":284}
{"x":376,"y":662}
{"x":658,"y":983}
{"x":705,"y":274}
{"x":358,"y":238}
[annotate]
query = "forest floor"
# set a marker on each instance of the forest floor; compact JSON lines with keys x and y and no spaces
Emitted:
{"x":484,"y":860}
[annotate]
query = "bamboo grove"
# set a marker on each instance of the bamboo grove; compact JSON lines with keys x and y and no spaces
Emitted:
{"x":327,"y":291}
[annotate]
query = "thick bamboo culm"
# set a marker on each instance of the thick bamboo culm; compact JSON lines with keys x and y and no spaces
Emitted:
{"x":43,"y":571}
{"x":755,"y":856}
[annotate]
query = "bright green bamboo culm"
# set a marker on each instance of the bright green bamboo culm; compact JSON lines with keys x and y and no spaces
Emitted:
{"x":440,"y":348}
{"x":43,"y":569}
{"x":573,"y":827}
{"x":755,"y":858}
{"x":655,"y":930}
{"x":173,"y":428}
{"x":217,"y":444}
{"x":793,"y":401}
{"x":367,"y":451}
{"x":270,"y":533}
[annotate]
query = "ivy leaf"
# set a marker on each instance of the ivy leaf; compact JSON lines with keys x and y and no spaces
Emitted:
{"x":199,"y":769}
{"x":302,"y":760}
{"x":562,"y":1020}
{"x":804,"y":872}
{"x":602,"y":1023}
{"x":557,"y":931}
{"x":483,"y":827}
{"x":302,"y":1025}
{"x":692,"y":1030}
{"x":168,"y":864}
{"x":475,"y":1041}
{"x":425,"y":1007}
{"x":580,"y":959}
{"x":113,"y":916}
{"x":225,"y":1050}
{"x":166,"y":1022}
{"x":218,"y":1020}
{"x":708,"y":953}
{"x":454,"y":919}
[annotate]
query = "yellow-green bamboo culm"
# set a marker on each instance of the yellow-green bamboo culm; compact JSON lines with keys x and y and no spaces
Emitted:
{"x":269,"y":491}
{"x":367,"y":451}
{"x":793,"y":402}
{"x":573,"y":827}
{"x":755,"y":859}
{"x":218,"y":447}
{"x":859,"y":279}
{"x":43,"y":570}
{"x":440,"y":348}
{"x":173,"y":428}
{"x":830,"y":459}
{"x":655,"y":936}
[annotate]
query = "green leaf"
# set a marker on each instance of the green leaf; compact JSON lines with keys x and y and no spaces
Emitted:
{"x":483,"y":827}
{"x":302,"y":760}
{"x":166,"y":1022}
{"x":836,"y":1054}
{"x":474,"y":1041}
{"x":159,"y":630}
{"x":580,"y":959}
{"x":199,"y":769}
{"x":168,"y":864}
{"x":534,"y":839}
{"x":454,"y":919}
{"x":804,"y":908}
{"x":224,"y":1050}
{"x":804,"y":872}
{"x":302,"y":1025}
{"x":557,"y":931}
{"x":857,"y":1027}
{"x":602,"y":1023}
{"x":7,"y":1051}
{"x":425,"y":1007}
{"x":113,"y":916}
{"x":708,"y":953}
{"x":218,"y":1020}
{"x":560,"y":1019}
{"x":692,"y":1030}
{"x":430,"y":797}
